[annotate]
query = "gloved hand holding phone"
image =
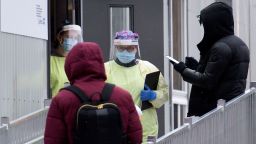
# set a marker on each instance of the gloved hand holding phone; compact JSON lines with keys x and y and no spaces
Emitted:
{"x":147,"y":94}
{"x":191,"y":63}
{"x":180,"y":67}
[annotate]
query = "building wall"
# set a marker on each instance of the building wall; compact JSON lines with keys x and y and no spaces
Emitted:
{"x":23,"y":74}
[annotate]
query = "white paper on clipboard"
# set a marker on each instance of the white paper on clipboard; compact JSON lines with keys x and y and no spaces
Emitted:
{"x":173,"y":61}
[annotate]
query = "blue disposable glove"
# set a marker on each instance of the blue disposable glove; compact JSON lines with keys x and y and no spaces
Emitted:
{"x":147,"y":94}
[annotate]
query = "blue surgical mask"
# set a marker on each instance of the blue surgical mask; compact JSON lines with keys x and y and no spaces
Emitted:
{"x":68,"y":43}
{"x":125,"y":56}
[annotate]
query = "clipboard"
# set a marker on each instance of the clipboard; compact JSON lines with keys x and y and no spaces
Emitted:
{"x":151,"y":81}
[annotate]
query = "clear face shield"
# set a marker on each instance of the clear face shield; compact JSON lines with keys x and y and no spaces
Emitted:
{"x":70,"y":36}
{"x":126,"y":47}
{"x":126,"y":53}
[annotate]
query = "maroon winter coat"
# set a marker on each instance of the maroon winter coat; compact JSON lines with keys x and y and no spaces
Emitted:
{"x":85,"y":68}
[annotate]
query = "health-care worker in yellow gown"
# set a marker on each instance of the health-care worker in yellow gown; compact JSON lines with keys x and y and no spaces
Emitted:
{"x":128,"y":71}
{"x":67,"y":37}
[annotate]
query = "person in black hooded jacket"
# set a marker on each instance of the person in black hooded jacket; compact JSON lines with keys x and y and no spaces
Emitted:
{"x":224,"y":60}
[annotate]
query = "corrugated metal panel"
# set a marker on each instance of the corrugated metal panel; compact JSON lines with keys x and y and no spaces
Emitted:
{"x":23,"y":74}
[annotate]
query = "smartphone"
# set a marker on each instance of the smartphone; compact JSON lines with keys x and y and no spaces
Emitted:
{"x":172,"y":60}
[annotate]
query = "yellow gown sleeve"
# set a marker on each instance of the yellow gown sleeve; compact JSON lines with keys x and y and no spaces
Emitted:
{"x":57,"y":74}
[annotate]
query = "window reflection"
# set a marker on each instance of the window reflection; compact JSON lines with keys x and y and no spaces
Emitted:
{"x":120,"y":19}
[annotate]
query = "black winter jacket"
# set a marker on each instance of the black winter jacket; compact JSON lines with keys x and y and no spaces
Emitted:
{"x":223,"y":64}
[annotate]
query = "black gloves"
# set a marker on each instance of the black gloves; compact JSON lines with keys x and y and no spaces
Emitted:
{"x":191,"y":63}
{"x":179,"y":67}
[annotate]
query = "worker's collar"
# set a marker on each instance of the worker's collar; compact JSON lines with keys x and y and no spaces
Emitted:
{"x":130,"y":64}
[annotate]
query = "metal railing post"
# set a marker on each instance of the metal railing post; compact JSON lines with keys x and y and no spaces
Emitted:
{"x":191,"y":120}
{"x":221,"y":103}
{"x":4,"y":132}
{"x":47,"y":102}
{"x":5,"y":121}
{"x":253,"y":84}
{"x":221,"y":106}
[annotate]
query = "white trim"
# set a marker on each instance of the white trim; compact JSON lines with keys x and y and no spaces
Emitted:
{"x":111,"y":36}
{"x":252,"y":42}
{"x":179,"y":97}
{"x":81,"y":13}
{"x":170,"y":74}
{"x":235,"y":6}
{"x":185,"y":37}
{"x":167,"y":106}
{"x":38,"y":139}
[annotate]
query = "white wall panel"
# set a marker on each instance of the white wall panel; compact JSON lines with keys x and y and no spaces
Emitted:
{"x":6,"y":75}
{"x":23,"y":74}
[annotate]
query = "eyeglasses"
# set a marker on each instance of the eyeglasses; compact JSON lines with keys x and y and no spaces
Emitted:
{"x":128,"y":48}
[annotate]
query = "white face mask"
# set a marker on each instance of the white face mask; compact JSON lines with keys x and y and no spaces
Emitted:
{"x":125,"y":56}
{"x":68,"y":44}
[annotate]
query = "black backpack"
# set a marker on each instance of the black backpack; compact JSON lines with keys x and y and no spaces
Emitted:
{"x":97,"y":122}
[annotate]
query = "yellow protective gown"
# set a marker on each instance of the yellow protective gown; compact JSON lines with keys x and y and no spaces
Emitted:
{"x":58,"y":76}
{"x":132,"y":79}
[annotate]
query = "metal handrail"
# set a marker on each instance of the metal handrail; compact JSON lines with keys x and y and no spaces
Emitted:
{"x":230,"y":123}
{"x":38,"y":140}
{"x":24,"y":128}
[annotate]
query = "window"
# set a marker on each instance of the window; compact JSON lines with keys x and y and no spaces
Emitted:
{"x":121,"y":18}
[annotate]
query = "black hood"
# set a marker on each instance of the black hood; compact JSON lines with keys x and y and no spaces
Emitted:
{"x":217,"y":20}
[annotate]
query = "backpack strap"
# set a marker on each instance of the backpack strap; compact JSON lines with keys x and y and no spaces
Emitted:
{"x":106,"y":92}
{"x":78,"y":92}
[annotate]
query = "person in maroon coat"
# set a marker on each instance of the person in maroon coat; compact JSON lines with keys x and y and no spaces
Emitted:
{"x":85,"y":69}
